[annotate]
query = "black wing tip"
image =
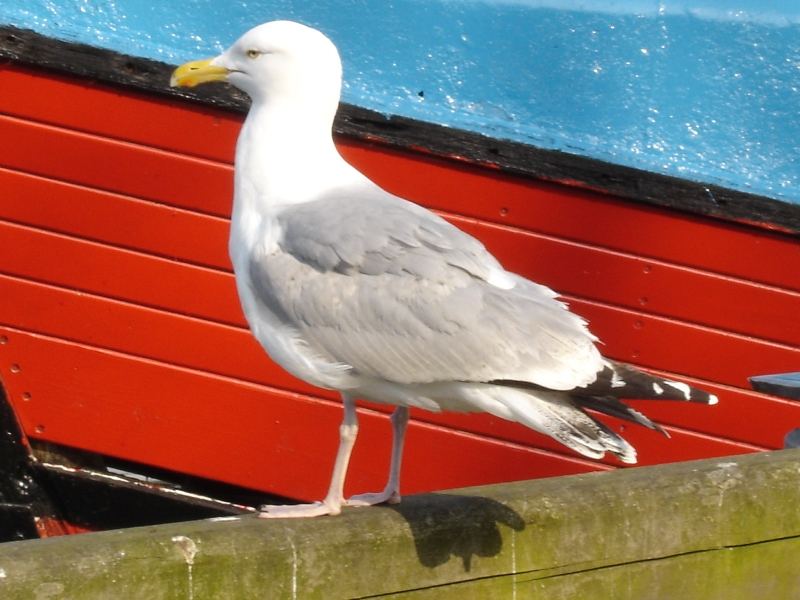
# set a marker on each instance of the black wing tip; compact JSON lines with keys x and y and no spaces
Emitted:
{"x":625,"y":381}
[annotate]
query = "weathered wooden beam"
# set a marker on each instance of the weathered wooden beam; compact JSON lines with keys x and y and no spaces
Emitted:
{"x":723,"y":528}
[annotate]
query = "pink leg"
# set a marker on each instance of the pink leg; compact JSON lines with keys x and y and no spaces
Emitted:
{"x":332,"y":504}
{"x":391,"y":493}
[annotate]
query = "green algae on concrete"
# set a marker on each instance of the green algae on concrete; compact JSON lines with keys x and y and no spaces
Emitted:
{"x":721,"y":528}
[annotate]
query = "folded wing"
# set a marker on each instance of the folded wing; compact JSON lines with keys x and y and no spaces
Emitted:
{"x":380,"y":284}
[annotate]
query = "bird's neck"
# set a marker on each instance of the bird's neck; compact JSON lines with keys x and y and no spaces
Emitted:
{"x":287,"y":156}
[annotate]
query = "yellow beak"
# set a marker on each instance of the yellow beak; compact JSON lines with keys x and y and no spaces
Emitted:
{"x":197,"y":72}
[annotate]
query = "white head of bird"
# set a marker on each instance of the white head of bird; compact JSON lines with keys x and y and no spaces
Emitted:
{"x":277,"y":63}
{"x":293,"y":75}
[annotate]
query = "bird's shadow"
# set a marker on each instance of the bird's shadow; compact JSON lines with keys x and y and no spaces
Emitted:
{"x":445,"y":525}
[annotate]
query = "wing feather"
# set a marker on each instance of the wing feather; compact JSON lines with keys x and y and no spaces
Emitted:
{"x":398,"y":293}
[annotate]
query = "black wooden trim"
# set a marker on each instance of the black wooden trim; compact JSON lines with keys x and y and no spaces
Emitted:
{"x":23,"y":498}
{"x":32,"y":49}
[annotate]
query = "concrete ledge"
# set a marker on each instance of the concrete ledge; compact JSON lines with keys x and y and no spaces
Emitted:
{"x":725,"y":528}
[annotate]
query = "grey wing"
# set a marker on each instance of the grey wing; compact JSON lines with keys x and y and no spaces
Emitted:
{"x":369,"y":231}
{"x":398,"y":293}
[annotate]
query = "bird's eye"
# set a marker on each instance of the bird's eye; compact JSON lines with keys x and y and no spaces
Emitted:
{"x":253,"y":53}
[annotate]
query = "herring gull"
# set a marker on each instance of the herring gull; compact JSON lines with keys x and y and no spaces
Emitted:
{"x":353,"y":289}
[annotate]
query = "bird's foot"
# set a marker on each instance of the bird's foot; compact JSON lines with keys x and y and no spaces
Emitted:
{"x":299,"y":511}
{"x":386,"y":496}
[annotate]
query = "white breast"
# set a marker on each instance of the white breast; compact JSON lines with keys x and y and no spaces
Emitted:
{"x":254,"y":237}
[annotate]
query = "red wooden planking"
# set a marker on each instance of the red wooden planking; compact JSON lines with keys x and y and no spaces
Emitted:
{"x":118,"y":273}
{"x":116,"y":166}
{"x":232,"y":352}
{"x":152,"y":413}
{"x":715,"y":308}
{"x":140,"y":331}
{"x":539,"y":206}
{"x":741,"y":415}
{"x":569,"y":267}
{"x":774,"y":323}
{"x":694,"y":351}
{"x":584,"y":216}
{"x":628,"y":335}
{"x":108,"y":111}
{"x":115,"y":219}
{"x":121,"y":409}
{"x":210,"y":294}
{"x":645,"y":285}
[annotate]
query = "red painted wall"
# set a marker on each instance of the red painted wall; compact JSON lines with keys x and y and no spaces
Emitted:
{"x":120,"y":331}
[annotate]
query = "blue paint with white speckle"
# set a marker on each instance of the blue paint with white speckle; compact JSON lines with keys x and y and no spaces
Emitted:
{"x":703,"y":89}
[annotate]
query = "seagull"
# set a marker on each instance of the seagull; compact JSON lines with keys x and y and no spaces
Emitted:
{"x":353,"y":289}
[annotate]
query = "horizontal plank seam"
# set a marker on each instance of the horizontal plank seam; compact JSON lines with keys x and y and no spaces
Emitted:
{"x":127,"y":303}
{"x":71,"y":235}
{"x":120,"y":249}
{"x":655,"y":259}
{"x":104,"y":139}
{"x":116,"y":194}
{"x":567,"y":297}
{"x":117,"y":246}
{"x":244,"y":327}
{"x":116,"y":137}
{"x":369,"y":125}
{"x":142,"y":305}
{"x":79,"y":184}
{"x":575,"y":568}
{"x":288,"y":391}
{"x":689,"y":324}
{"x":623,"y":254}
{"x":113,"y":191}
{"x":487,"y":222}
{"x":285,"y":392}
